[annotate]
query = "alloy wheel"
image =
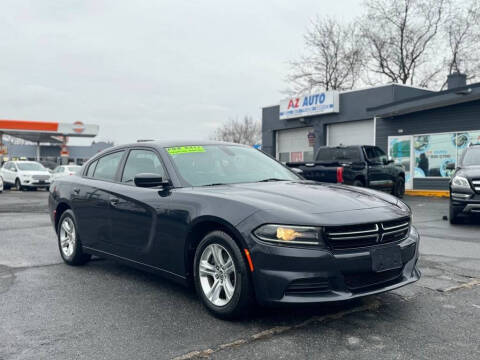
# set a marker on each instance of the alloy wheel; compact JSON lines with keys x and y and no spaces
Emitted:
{"x":217,"y":274}
{"x":67,"y":237}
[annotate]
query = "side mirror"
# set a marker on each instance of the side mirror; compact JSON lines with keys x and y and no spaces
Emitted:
{"x":450,"y":166}
{"x":148,"y":180}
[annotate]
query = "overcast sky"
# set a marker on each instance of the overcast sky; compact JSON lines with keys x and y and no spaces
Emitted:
{"x":157,"y":69}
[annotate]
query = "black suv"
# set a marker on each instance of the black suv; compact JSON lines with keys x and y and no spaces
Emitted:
{"x":465,"y":185}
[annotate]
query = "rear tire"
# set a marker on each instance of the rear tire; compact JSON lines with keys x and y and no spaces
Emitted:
{"x":69,"y":242}
{"x":358,"y":182}
{"x":399,"y":187}
{"x":221,"y":276}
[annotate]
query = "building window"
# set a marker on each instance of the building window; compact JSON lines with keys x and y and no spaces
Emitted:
{"x":284,"y":157}
{"x":434,"y":152}
{"x":308,"y":156}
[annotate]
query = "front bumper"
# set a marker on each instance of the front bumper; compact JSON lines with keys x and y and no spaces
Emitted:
{"x":465,"y":205}
{"x":286,"y":275}
{"x":35,"y":183}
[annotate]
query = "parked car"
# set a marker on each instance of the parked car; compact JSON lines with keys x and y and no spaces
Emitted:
{"x":65,"y":170}
{"x":238,"y":224}
{"x":1,"y":184}
{"x":465,"y":185}
{"x":25,"y":174}
{"x":362,"y":165}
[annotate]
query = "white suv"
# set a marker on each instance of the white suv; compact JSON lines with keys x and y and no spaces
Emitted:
{"x":25,"y":174}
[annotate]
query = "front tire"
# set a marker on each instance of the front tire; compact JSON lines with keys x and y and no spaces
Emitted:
{"x":18,"y":185}
{"x":69,"y":242}
{"x":453,"y":215}
{"x":221,"y":276}
{"x":399,"y":188}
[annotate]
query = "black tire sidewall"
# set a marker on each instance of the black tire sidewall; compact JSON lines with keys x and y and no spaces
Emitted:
{"x":399,"y":187}
{"x":242,"y":295}
{"x":77,"y":257}
{"x":18,"y":185}
{"x":358,"y":183}
{"x":453,"y":215}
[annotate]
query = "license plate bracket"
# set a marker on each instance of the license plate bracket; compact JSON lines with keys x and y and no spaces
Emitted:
{"x":386,"y":258}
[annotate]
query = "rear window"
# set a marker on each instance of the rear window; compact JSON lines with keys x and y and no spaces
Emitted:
{"x":347,"y":154}
{"x":107,"y":166}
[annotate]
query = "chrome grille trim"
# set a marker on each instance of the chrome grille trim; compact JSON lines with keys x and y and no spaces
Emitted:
{"x":373,"y":234}
{"x":40,"y":177}
{"x":476,"y":185}
{"x":395,"y":227}
{"x":354,"y":232}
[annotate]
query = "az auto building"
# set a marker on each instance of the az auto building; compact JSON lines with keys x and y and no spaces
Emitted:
{"x":421,"y":129}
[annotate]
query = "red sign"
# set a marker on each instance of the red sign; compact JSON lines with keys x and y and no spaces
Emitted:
{"x":296,"y":156}
{"x":78,"y":127}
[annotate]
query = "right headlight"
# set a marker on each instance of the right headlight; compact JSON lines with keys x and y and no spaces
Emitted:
{"x":460,"y":182}
{"x":290,"y":234}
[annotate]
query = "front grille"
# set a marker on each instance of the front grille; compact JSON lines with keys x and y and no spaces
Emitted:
{"x":362,"y":235}
{"x":476,"y":185}
{"x":371,"y":280}
{"x":40,"y":177}
{"x":310,"y":286}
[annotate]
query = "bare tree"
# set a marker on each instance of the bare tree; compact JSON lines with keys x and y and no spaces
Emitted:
{"x":401,"y":36}
{"x":246,"y":131}
{"x":462,"y":32}
{"x":334,"y":58}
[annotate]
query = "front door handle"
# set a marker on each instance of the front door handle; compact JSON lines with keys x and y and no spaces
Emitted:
{"x":114,"y":201}
{"x":76,"y":190}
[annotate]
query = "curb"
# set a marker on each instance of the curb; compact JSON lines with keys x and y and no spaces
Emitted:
{"x":429,"y":193}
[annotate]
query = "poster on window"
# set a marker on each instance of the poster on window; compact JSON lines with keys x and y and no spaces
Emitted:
{"x":433,"y":154}
{"x":399,"y":152}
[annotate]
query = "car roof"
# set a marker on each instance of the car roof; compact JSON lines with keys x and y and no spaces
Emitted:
{"x":173,"y":143}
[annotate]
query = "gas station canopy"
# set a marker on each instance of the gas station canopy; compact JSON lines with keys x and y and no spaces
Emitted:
{"x":46,"y":132}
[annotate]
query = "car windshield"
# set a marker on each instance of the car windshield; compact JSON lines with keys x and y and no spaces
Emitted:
{"x":73,"y":168}
{"x":349,"y":154}
{"x":30,"y":166}
{"x":471,"y":157}
{"x":226,"y":164}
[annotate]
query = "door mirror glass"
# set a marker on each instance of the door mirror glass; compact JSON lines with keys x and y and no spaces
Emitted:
{"x":150,"y":180}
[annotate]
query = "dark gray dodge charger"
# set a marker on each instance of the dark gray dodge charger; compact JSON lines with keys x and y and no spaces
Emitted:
{"x":236,"y":223}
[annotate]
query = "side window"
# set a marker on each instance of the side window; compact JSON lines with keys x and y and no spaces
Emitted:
{"x":107,"y":166}
{"x":141,"y":161}
{"x":382,"y":157}
{"x":371,"y":153}
{"x":91,"y":168}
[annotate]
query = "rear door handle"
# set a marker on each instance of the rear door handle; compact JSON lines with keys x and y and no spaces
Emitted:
{"x":114,"y":201}
{"x":76,"y":190}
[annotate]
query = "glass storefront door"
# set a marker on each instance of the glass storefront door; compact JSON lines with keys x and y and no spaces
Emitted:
{"x":400,"y":151}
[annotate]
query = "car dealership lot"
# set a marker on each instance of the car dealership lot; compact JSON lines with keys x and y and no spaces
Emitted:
{"x":107,"y":310}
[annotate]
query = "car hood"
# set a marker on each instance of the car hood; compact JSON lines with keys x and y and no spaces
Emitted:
{"x":34,"y":172}
{"x":308,"y":197}
{"x":470,"y":172}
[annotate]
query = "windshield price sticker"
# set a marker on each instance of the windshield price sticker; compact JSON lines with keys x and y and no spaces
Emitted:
{"x":185,"y":150}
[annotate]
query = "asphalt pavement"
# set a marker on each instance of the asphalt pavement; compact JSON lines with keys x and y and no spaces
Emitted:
{"x":105,"y":310}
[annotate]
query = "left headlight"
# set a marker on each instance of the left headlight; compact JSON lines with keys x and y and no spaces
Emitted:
{"x":460,"y":182}
{"x":286,"y":234}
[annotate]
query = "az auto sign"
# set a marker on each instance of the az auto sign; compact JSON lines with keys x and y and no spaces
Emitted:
{"x":310,"y":104}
